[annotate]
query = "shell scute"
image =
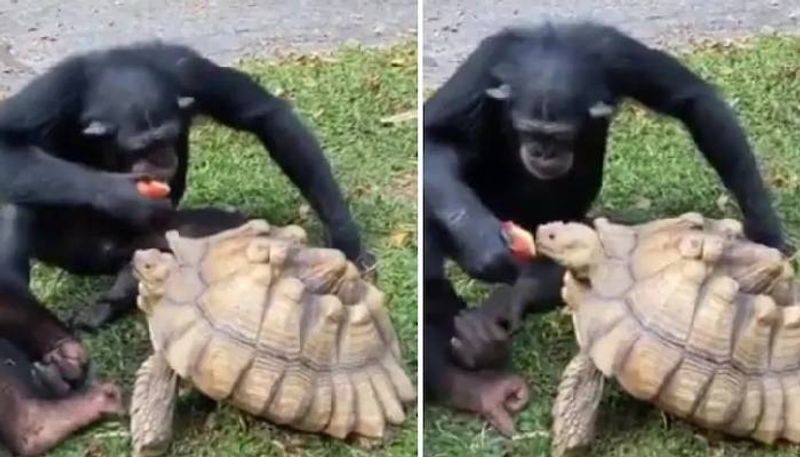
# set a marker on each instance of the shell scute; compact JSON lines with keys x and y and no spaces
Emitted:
{"x":280,"y":329}
{"x":705,"y":325}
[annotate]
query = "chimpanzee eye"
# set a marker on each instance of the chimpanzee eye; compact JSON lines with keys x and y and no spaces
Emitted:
{"x":97,"y":128}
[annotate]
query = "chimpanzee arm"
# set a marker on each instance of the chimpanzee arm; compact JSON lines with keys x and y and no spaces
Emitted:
{"x":473,"y":231}
{"x":29,"y":175}
{"x":32,"y":175}
{"x":234,"y":99}
{"x":662,"y":83}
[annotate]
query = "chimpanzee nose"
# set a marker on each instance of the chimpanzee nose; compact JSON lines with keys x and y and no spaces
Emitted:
{"x":541,"y":152}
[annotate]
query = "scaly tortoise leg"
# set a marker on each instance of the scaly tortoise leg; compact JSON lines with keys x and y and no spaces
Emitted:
{"x":153,"y":407}
{"x":576,"y":406}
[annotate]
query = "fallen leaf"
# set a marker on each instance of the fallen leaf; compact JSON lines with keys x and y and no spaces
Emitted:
{"x":401,"y":117}
{"x":723,"y":202}
{"x":361,"y":190}
{"x":303,"y":212}
{"x":399,"y":238}
{"x":399,"y":62}
{"x":782,"y":177}
{"x":643,"y":203}
{"x":406,"y":185}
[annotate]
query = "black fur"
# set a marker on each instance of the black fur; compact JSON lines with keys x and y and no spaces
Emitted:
{"x":475,"y":170}
{"x":74,"y":141}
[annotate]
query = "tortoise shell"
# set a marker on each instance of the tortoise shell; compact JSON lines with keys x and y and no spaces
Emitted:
{"x":284,"y":331}
{"x":688,"y":314}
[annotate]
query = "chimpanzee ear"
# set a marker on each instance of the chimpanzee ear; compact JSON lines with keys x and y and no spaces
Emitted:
{"x":502,"y":74}
{"x":185,"y":102}
{"x":601,"y":109}
{"x":501,"y":92}
{"x":97,"y":128}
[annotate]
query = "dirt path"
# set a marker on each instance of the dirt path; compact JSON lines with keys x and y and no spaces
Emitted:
{"x":453,"y":27}
{"x":36,"y":33}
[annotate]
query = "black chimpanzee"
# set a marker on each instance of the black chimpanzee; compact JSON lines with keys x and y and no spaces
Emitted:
{"x":75,"y":142}
{"x":519,"y":133}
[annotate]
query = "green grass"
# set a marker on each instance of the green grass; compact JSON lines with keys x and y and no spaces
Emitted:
{"x":343,"y":96}
{"x":654,"y":171}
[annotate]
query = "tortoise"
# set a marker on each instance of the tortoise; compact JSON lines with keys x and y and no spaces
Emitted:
{"x":255,"y":317}
{"x":685,"y":313}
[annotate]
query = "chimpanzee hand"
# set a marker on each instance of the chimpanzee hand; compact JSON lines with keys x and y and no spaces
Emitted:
{"x":64,"y":367}
{"x":762,"y":226}
{"x":346,"y":238}
{"x":767,"y":233}
{"x":481,"y":339}
{"x":492,"y":394}
{"x":483,"y":335}
{"x":484,"y":254}
{"x":122,"y":200}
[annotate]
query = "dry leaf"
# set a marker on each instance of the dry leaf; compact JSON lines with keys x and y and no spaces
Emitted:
{"x":723,"y":202}
{"x":303,"y":212}
{"x":643,"y":203}
{"x":360,"y":191}
{"x":782,"y":177}
{"x":399,"y":62}
{"x":399,"y":239}
{"x":401,"y":117}
{"x":406,"y":184}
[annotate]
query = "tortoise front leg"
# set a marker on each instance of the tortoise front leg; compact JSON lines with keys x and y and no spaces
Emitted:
{"x":576,"y":406}
{"x":153,"y":407}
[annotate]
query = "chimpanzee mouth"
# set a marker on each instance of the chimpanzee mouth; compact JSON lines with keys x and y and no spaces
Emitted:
{"x":159,"y":164}
{"x":547,"y":168}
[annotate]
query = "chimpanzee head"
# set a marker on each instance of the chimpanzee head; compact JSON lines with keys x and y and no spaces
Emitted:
{"x":137,"y":117}
{"x":549,"y":98}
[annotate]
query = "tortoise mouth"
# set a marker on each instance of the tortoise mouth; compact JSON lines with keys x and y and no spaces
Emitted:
{"x":146,"y":265}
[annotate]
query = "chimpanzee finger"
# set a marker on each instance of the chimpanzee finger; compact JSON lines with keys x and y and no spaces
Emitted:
{"x":501,"y":420}
{"x":517,"y":395}
{"x":471,"y":326}
{"x":464,"y":355}
{"x":496,"y":332}
{"x":49,"y":377}
{"x":463,"y":329}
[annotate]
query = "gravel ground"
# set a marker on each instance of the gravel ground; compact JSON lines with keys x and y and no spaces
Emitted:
{"x":34,"y":34}
{"x":452,"y":28}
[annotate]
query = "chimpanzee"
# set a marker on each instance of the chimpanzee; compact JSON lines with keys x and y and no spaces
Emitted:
{"x":518,"y":133}
{"x":76,"y":143}
{"x":38,"y":407}
{"x":35,"y":414}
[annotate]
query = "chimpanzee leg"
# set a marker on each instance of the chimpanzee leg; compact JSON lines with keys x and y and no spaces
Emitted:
{"x":440,"y":305}
{"x":23,"y":320}
{"x":31,"y":424}
{"x":495,"y":395}
{"x":111,"y":304}
{"x":483,"y":334}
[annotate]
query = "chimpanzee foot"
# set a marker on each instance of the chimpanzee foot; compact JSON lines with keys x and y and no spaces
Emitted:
{"x":65,"y":366}
{"x":43,"y":424}
{"x":494,"y":395}
{"x":94,"y":316}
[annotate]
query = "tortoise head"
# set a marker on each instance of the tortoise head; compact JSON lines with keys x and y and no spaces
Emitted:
{"x":573,"y":245}
{"x":152,"y":268}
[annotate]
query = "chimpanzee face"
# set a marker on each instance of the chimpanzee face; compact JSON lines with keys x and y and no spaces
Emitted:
{"x":546,"y":148}
{"x":547,"y":106}
{"x":136,"y":120}
{"x":547,"y":127}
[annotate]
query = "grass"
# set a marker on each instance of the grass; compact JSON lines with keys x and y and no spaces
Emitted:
{"x":343,"y":96}
{"x":654,"y":171}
